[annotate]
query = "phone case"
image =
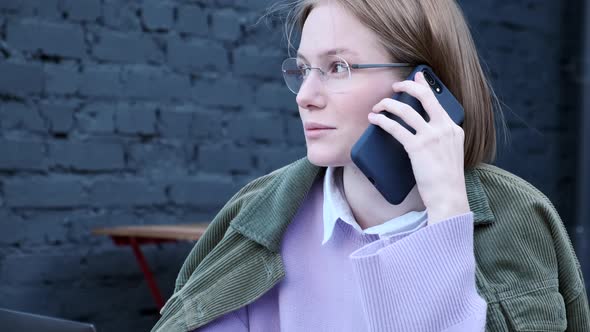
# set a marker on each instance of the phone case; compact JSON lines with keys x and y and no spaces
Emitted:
{"x":383,"y":159}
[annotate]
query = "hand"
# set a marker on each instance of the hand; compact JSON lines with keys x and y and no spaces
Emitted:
{"x":435,"y":151}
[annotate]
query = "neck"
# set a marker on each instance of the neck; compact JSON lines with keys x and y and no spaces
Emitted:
{"x":368,"y":206}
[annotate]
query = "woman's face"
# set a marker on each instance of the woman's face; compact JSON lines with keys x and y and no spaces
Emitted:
{"x":328,"y":27}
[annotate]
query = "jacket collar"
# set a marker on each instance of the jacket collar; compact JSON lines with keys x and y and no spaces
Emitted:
{"x":266,"y":217}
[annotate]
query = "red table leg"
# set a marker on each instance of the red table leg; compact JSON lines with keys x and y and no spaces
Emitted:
{"x":147,"y":273}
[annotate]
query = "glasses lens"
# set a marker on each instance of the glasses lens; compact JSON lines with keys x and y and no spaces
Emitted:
{"x":337,"y":74}
{"x":335,"y":77}
{"x":293,"y":73}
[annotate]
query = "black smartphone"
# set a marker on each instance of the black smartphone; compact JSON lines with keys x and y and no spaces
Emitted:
{"x":383,"y":159}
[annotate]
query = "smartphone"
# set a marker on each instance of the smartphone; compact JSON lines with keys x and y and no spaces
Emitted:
{"x":383,"y":159}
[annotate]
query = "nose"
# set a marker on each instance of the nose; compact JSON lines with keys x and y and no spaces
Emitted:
{"x":311,"y":93}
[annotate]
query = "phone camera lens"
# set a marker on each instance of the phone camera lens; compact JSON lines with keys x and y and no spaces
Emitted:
{"x":434,"y":85}
{"x":428,"y":78}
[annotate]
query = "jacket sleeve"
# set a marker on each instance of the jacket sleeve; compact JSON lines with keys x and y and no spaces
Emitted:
{"x":578,"y":313}
{"x":422,"y":281}
{"x":571,"y":280}
{"x":569,"y":272}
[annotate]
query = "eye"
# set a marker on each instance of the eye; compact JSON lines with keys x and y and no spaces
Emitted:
{"x":303,"y":69}
{"x":338,"y":67}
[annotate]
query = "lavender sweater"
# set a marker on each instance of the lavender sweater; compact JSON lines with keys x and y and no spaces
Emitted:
{"x":420,"y":280}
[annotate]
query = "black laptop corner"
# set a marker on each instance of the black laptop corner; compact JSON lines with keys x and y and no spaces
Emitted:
{"x":15,"y":321}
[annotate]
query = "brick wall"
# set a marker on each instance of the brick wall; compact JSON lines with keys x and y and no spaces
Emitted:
{"x":155,"y":112}
{"x":534,"y":54}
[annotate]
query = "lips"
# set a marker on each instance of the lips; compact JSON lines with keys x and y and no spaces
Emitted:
{"x":316,"y":125}
{"x":316,"y":130}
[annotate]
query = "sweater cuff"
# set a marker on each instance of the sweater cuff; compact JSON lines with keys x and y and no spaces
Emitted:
{"x":422,"y":281}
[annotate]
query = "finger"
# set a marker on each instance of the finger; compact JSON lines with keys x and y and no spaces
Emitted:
{"x":424,"y":94}
{"x":420,"y":79}
{"x":404,"y":111}
{"x":392,"y":127}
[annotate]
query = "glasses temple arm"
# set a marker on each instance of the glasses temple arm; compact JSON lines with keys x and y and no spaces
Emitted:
{"x":380,"y":65}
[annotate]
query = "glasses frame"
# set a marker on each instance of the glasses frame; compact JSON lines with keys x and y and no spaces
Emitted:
{"x":323,"y":74}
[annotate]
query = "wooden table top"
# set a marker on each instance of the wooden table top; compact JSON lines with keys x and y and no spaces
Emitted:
{"x":173,"y":232}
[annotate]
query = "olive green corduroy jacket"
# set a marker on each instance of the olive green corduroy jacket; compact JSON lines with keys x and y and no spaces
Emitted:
{"x":526,"y":267}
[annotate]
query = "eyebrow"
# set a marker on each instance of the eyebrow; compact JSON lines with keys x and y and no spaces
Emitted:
{"x":333,"y":51}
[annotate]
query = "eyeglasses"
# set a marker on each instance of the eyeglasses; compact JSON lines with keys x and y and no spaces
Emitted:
{"x":335,"y":75}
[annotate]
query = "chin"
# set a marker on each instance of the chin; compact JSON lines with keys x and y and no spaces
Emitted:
{"x":325,"y":158}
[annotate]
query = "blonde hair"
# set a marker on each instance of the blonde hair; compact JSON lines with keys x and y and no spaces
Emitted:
{"x":432,"y":32}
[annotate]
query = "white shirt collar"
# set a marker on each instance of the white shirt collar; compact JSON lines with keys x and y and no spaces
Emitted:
{"x":336,"y":207}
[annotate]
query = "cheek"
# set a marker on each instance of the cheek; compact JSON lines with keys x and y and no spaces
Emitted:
{"x":359,"y":105}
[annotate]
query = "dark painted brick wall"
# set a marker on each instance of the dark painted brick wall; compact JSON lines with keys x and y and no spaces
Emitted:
{"x":156,"y":112}
{"x":534,"y":55}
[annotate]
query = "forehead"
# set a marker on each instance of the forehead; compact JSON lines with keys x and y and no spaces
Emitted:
{"x":330,"y":27}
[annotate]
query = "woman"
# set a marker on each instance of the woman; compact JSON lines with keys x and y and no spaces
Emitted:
{"x":314,"y":246}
